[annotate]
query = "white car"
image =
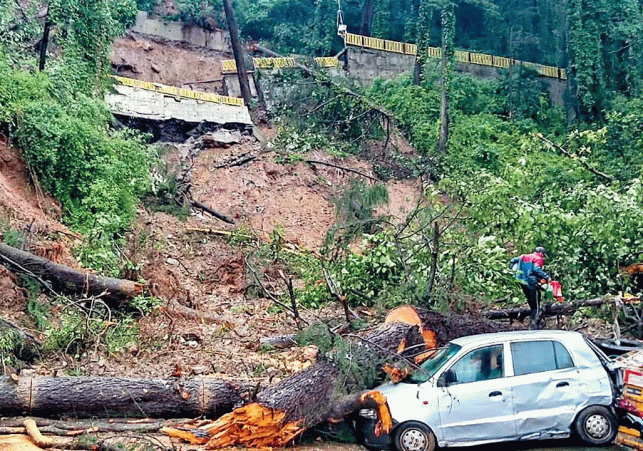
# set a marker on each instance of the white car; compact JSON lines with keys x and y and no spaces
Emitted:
{"x":500,"y":387}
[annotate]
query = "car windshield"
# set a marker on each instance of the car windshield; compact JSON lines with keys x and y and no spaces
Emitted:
{"x":434,"y":363}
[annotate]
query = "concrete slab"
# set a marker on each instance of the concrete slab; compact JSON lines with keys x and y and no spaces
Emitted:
{"x":141,"y":103}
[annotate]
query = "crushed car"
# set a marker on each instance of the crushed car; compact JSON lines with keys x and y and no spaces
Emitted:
{"x":524,"y":385}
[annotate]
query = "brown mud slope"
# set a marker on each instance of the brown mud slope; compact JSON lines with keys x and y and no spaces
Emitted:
{"x":159,"y":61}
{"x":264,"y":194}
{"x":30,"y":216}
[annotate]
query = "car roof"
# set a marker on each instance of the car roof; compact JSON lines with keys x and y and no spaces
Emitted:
{"x":515,"y":335}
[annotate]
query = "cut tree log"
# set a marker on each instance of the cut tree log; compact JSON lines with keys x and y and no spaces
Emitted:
{"x":89,"y":397}
{"x":60,"y":278}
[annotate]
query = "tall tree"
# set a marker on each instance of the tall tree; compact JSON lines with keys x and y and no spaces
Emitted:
{"x":446,"y":67}
{"x":425,"y":16}
{"x":368,"y":11}
{"x":239,"y":58}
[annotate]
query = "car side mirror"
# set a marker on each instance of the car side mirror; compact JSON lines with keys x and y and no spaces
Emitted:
{"x":447,"y":378}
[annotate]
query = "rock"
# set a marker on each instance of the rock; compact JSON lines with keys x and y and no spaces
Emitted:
{"x":172,"y":261}
{"x":220,"y":138}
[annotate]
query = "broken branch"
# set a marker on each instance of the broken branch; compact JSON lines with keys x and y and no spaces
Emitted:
{"x":553,"y":145}
{"x":343,"y":169}
{"x":214,"y":213}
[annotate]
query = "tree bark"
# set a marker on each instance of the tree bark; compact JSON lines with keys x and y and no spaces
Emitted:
{"x":553,"y":309}
{"x":60,"y":278}
{"x":214,"y":213}
{"x":88,"y":397}
{"x":44,"y":43}
{"x":448,"y":31}
{"x":309,"y":397}
{"x":368,"y":12}
{"x":238,"y":52}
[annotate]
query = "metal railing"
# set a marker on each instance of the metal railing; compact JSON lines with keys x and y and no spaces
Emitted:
{"x":482,"y":59}
{"x":179,"y":92}
{"x":230,"y":66}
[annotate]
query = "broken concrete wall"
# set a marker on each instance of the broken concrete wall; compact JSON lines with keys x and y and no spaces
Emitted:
{"x":218,"y":40}
{"x":140,"y":103}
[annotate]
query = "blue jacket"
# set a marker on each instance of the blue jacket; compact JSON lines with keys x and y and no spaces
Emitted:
{"x":527,"y":269}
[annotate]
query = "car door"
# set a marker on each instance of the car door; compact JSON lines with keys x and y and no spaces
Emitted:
{"x":545,"y":388}
{"x":476,"y":406}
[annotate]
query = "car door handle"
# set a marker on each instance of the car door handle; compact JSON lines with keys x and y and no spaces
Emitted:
{"x":495,"y":393}
{"x":562,"y":384}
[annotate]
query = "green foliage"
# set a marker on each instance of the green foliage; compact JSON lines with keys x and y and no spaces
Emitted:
{"x":355,"y":213}
{"x":317,"y":114}
{"x":78,"y":332}
{"x":90,"y":28}
{"x":360,"y":368}
{"x":98,"y":174}
{"x":367,"y":275}
{"x":11,"y":344}
{"x":12,"y":238}
{"x":291,"y":26}
{"x":319,"y":335}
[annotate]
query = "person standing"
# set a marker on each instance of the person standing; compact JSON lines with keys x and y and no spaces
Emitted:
{"x":528,"y":270}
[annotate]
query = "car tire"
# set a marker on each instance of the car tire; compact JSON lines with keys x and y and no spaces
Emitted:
{"x":596,"y":425}
{"x":414,"y":436}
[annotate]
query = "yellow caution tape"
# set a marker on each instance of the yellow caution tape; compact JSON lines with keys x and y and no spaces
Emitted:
{"x":178,"y":92}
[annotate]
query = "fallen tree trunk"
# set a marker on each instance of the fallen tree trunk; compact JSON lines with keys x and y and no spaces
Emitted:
{"x":88,"y":397}
{"x":328,"y":391}
{"x":554,"y":309}
{"x":60,"y":278}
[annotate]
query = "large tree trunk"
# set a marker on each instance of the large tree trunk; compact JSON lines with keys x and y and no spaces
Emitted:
{"x":67,"y":280}
{"x":448,"y":31}
{"x":553,"y":309}
{"x":367,"y":18}
{"x":323,"y":392}
{"x":88,"y":397}
{"x":238,"y":52}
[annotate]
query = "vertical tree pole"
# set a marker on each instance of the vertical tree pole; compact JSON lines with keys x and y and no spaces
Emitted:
{"x":447,"y":62}
{"x":425,"y":14}
{"x":367,"y":18}
{"x":44,"y":43}
{"x":238,"y":52}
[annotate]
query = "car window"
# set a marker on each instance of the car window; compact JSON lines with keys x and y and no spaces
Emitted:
{"x":478,"y":365}
{"x":434,"y":363}
{"x":538,"y":356}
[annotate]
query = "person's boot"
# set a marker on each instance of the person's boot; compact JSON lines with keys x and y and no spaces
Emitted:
{"x":534,"y":321}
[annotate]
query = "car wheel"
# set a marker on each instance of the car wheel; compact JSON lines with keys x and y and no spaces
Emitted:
{"x":414,"y":436}
{"x":596,"y":425}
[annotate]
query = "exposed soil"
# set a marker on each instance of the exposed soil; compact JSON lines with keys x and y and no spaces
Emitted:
{"x":156,"y":60}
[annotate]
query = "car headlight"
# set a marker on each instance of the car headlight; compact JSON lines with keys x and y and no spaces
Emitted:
{"x":371,"y":414}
